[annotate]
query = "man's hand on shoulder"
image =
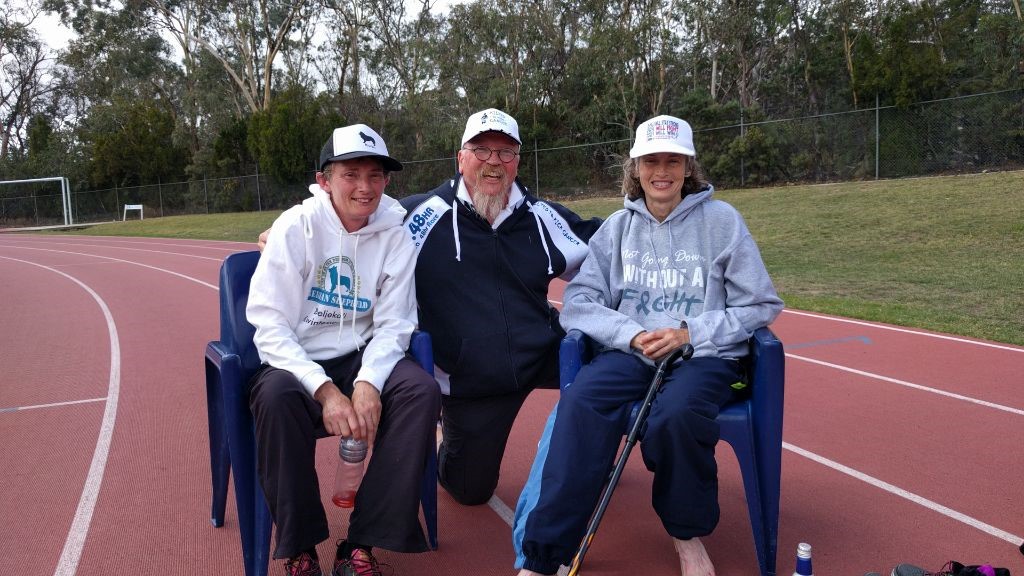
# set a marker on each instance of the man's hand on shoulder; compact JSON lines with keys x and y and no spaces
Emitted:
{"x":261,"y":242}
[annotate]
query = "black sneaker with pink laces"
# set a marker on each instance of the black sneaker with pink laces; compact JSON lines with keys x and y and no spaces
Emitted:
{"x":305,"y":564}
{"x":353,"y":561}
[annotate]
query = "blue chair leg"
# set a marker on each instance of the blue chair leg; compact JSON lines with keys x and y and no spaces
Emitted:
{"x":421,"y":348}
{"x":242,"y":444}
{"x":261,"y":534}
{"x":428,"y":498}
{"x":739,"y":434}
{"x":770,"y":486}
{"x":220,"y":458}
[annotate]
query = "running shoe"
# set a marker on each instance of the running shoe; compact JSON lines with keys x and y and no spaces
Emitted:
{"x":304,"y":564}
{"x":358,"y":563}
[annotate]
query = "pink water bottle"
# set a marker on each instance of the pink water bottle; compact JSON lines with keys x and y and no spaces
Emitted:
{"x":352,"y":454}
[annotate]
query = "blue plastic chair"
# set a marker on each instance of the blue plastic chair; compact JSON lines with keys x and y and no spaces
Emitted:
{"x":752,"y":425}
{"x":230,"y":363}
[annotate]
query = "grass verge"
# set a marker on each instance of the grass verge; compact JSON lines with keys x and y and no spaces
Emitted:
{"x":944,"y":253}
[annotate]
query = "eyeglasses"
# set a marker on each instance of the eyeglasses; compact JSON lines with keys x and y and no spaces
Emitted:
{"x":483,"y":153}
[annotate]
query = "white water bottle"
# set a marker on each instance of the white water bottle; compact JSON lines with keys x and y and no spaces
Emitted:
{"x":803,"y":560}
{"x":351,"y":454}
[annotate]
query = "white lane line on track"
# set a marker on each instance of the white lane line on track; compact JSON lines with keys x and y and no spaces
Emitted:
{"x":919,"y":500}
{"x":985,"y":403}
{"x":905,"y":330}
{"x":118,"y":240}
{"x":506,"y":513}
{"x":891,"y":328}
{"x":51,"y":405}
{"x":111,"y":246}
{"x":894,"y":380}
{"x":67,"y":565}
{"x":171,"y":272}
{"x":501,"y":509}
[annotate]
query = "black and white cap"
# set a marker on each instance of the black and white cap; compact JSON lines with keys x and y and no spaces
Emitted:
{"x":356,"y":141}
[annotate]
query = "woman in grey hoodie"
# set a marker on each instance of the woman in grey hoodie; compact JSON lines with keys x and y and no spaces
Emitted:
{"x":673,"y":266}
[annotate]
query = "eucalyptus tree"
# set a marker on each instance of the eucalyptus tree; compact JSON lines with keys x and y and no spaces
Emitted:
{"x":346,"y":23}
{"x":25,"y":81}
{"x":247,"y":38}
{"x":181,"y":22}
{"x":116,"y":76}
{"x":402,"y":63}
{"x":488,"y":46}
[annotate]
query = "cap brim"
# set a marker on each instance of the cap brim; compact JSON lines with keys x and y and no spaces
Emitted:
{"x":389,"y":163}
{"x":517,"y":140}
{"x":638,"y":151}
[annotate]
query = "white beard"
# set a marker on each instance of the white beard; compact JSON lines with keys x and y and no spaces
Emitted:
{"x":490,"y":205}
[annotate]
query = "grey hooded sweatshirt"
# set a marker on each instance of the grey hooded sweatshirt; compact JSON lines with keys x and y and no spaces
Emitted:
{"x":699,"y":266}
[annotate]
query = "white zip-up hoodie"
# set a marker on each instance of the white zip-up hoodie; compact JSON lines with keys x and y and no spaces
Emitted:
{"x":320,"y":292}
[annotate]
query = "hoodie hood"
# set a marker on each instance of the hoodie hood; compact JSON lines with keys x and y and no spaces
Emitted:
{"x":389,"y":214}
{"x":681,"y":210}
{"x":699,"y":266}
{"x":324,"y":292}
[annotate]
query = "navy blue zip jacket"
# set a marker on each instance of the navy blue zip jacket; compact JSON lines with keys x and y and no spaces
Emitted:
{"x":482,"y":292}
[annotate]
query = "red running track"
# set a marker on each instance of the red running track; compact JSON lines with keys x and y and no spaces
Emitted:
{"x":900,"y":445}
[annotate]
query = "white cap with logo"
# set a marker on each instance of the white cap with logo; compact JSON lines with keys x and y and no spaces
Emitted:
{"x":663,"y":134}
{"x":491,"y":120}
{"x":356,"y":141}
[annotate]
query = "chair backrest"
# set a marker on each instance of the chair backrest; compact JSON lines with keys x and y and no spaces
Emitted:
{"x":236,"y":332}
{"x":766,"y":363}
{"x":768,"y":371}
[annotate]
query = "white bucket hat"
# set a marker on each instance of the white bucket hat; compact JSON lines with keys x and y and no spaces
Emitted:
{"x":663,"y":134}
{"x":356,"y":141}
{"x":491,"y":120}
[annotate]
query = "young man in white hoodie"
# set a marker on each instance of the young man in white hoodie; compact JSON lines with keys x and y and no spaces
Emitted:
{"x":333,"y":304}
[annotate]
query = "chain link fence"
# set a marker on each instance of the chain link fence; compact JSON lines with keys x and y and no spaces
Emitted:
{"x":956,"y":135}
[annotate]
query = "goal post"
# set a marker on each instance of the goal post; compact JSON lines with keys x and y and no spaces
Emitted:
{"x":65,"y":193}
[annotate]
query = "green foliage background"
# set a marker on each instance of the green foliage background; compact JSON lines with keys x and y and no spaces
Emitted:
{"x":943,"y":254}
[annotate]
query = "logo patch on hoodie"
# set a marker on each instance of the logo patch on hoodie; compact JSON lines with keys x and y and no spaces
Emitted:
{"x":422,"y":219}
{"x":336,"y":289}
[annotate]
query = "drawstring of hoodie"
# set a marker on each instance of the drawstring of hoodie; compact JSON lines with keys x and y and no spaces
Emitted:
{"x":543,"y":240}
{"x":355,"y":293}
{"x":354,"y":288}
{"x":455,"y":229}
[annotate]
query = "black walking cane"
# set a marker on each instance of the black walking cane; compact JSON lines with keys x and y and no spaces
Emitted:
{"x":685,"y":351}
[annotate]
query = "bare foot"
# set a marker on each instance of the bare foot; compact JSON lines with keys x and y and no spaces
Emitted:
{"x":693,"y":558}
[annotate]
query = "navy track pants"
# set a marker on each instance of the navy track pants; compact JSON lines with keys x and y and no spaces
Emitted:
{"x":678,"y":446}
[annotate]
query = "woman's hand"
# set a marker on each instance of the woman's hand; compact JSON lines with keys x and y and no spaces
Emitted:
{"x":656,"y":344}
